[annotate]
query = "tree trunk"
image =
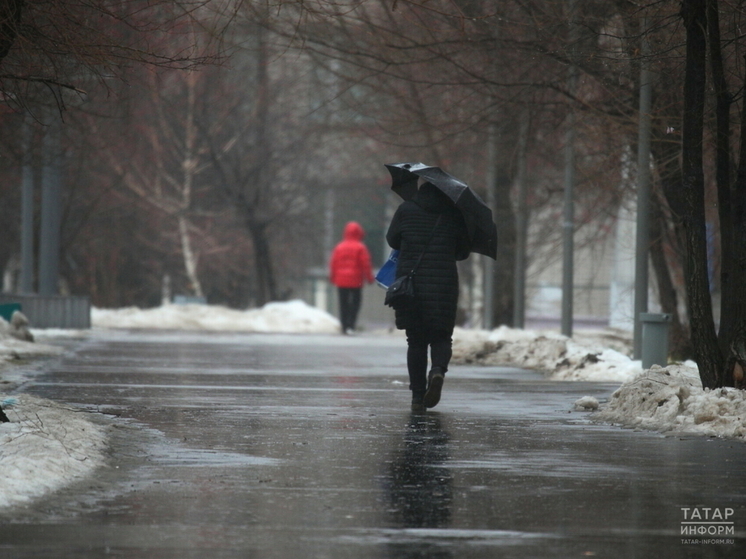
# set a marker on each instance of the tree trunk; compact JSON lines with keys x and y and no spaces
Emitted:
{"x":504,"y":269}
{"x":190,"y":259}
{"x":679,"y":344}
{"x":706,"y":350}
{"x":723,"y":173}
{"x":733,"y":322}
{"x":666,"y":155}
{"x":266,"y":286}
{"x":189,"y":164}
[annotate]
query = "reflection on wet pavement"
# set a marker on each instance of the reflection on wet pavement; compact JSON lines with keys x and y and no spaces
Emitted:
{"x":419,"y":484}
{"x":420,"y":488}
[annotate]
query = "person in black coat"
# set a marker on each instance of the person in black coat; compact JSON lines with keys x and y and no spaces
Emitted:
{"x":429,"y":322}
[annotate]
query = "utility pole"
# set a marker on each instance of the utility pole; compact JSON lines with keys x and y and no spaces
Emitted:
{"x":51,"y":212}
{"x":568,"y":220}
{"x":488,"y":264}
{"x":642,"y":241}
{"x":568,"y":230}
{"x":521,"y":228}
{"x":27,"y":210}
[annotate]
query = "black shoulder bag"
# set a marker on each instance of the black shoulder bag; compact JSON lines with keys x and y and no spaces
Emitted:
{"x":400,"y":293}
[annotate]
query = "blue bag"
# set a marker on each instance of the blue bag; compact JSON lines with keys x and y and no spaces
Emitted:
{"x":386,"y":275}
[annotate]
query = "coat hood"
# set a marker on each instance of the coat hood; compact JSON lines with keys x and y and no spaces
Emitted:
{"x":353,"y":231}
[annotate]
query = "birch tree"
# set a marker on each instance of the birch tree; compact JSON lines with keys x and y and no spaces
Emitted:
{"x":170,"y":158}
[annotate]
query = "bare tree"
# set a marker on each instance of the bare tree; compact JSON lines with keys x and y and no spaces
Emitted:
{"x":51,"y":48}
{"x":56,"y":46}
{"x":260,"y":145}
{"x":164,"y":175}
{"x":449,"y":51}
{"x":435,"y":80}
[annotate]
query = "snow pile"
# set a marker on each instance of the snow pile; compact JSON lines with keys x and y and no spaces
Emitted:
{"x":672,"y":399}
{"x":586,"y":403}
{"x":44,"y":447}
{"x":18,"y":327}
{"x":14,"y":348}
{"x":669,"y":399}
{"x":562,"y":358}
{"x":292,"y":317}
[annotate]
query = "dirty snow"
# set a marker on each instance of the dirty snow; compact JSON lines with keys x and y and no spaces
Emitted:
{"x":47,"y":445}
{"x":587,"y":356}
{"x":44,"y":447}
{"x":586,"y":403}
{"x":668,"y":400}
{"x":672,"y":399}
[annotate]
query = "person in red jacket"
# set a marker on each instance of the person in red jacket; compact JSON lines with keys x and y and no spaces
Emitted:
{"x":349,"y":267}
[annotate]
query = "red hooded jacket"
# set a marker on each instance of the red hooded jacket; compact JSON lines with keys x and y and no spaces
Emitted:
{"x":350,"y":262}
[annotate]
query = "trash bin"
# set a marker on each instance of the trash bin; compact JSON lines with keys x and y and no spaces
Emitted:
{"x":7,"y":310}
{"x":654,"y":339}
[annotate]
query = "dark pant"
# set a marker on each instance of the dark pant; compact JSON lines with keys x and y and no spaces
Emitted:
{"x":418,"y":340}
{"x":349,"y":305}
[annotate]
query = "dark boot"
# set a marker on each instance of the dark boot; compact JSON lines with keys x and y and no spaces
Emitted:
{"x":434,"y":386}
{"x":418,"y":405}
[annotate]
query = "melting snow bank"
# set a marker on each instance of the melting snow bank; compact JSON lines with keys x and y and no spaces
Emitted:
{"x":590,"y":356}
{"x":672,"y":399}
{"x":291,"y":317}
{"x":45,"y":447}
{"x":667,"y":399}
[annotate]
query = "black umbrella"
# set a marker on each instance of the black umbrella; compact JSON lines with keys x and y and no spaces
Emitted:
{"x":404,"y":179}
{"x":477,"y":215}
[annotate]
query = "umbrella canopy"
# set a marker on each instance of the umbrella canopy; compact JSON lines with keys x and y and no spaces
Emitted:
{"x":404,"y":178}
{"x":477,"y":215}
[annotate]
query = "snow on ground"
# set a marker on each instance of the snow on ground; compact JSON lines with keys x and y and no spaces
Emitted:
{"x":46,"y":445}
{"x":672,"y":400}
{"x":294,"y":317}
{"x":587,"y":356}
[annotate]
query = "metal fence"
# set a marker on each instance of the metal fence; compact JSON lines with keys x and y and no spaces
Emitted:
{"x":53,"y":311}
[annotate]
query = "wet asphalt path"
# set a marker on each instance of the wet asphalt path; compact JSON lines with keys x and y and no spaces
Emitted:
{"x":280,"y":446}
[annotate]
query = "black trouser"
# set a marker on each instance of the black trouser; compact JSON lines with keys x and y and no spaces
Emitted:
{"x":349,"y":305}
{"x":418,"y":340}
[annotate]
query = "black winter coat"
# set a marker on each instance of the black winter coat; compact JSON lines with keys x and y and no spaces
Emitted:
{"x":436,"y":278}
